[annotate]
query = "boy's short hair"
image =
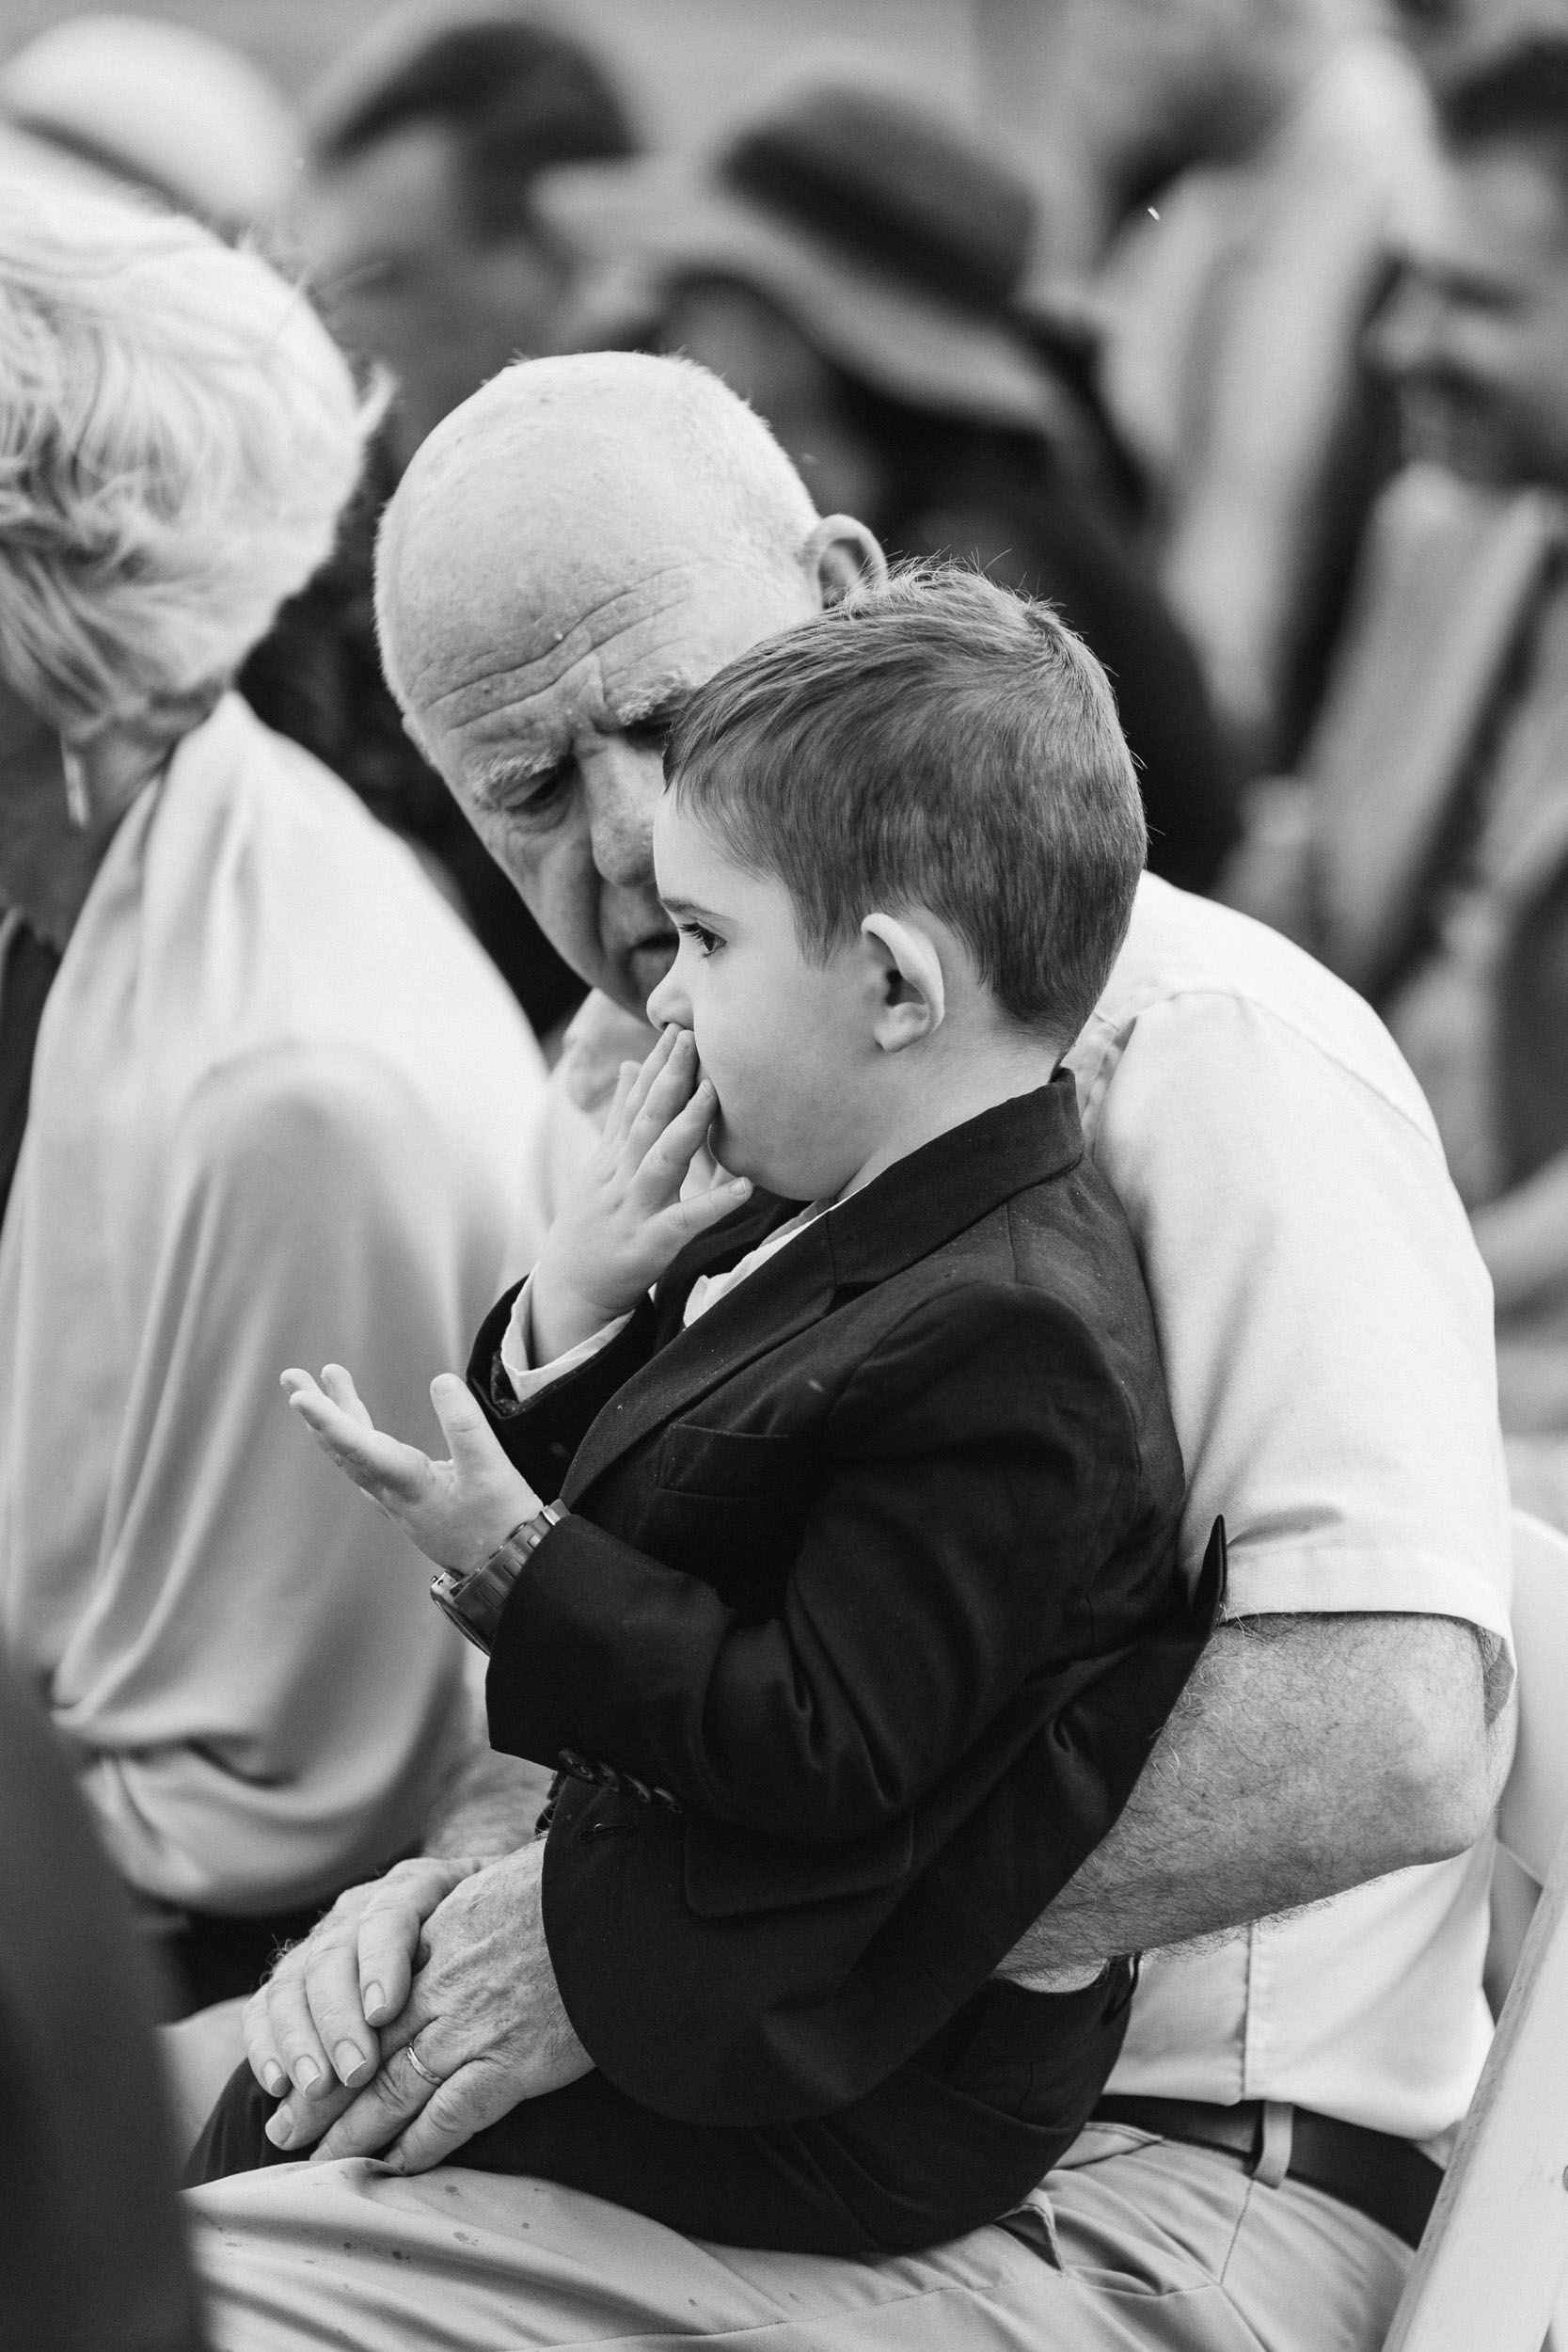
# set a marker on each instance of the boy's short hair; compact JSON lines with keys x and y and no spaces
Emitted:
{"x":936,"y":742}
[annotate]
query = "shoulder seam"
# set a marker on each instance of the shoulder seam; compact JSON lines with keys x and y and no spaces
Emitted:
{"x":1118,"y":1038}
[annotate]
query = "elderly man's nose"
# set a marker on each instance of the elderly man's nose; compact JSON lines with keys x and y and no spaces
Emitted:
{"x":623,"y":790}
{"x":1406,"y":332}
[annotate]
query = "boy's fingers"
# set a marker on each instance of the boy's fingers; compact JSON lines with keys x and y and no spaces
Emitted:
{"x":690,"y":1217}
{"x":332,"y":1428}
{"x":670,"y":1152}
{"x":624,"y":1083}
{"x":637,"y":1094}
{"x":339,"y":1385}
{"x":474,"y":1445}
{"x":669,"y":1093}
{"x":387,"y":1470}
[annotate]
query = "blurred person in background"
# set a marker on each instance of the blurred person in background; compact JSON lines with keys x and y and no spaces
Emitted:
{"x":846,"y":261}
{"x":1221,"y":176}
{"x":92,"y":2250}
{"x":1422,"y":851}
{"x":421,"y":240}
{"x":417,"y":221}
{"x":260,"y":1093}
{"x":101,"y":101}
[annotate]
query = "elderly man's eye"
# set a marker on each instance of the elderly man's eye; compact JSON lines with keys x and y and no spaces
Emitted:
{"x":647,"y":734}
{"x":650,"y":731}
{"x":537,"y":799}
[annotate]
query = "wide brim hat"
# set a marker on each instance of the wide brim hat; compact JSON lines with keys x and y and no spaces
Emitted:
{"x":883,"y":231}
{"x":159,"y":107}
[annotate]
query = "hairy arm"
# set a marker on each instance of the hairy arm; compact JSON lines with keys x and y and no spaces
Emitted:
{"x":1306,"y":1755}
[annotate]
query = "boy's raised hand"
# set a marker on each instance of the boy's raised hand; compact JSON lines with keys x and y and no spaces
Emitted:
{"x":628,"y":1221}
{"x":457,"y":1512}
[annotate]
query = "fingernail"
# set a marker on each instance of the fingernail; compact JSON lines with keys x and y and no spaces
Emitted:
{"x":349,"y":2059}
{"x":374,"y":1999}
{"x":274,"y":2077}
{"x":307,"y":2074}
{"x":279,"y":2128}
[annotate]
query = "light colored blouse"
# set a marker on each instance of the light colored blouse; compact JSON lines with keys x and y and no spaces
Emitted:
{"x":281,"y":1113}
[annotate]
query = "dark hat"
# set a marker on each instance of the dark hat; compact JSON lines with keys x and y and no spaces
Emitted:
{"x":885,"y":231}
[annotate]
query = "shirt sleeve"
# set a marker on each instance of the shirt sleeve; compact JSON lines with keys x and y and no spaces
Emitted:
{"x":1324,"y":1317}
{"x":526,"y":1378}
{"x":270,"y":1708}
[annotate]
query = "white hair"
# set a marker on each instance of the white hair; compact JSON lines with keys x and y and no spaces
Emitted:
{"x":177,"y":437}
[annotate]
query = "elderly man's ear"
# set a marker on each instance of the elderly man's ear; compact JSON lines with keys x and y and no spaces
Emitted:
{"x":841,"y":554}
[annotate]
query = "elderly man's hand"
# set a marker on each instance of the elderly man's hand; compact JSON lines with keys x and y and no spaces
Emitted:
{"x":484,"y":2021}
{"x":313,"y":2023}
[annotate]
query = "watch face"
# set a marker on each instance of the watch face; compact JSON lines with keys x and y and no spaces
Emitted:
{"x":446,"y":1591}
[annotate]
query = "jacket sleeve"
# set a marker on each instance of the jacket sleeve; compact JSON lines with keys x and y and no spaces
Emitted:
{"x":541,"y":1435}
{"x":984,"y":1466}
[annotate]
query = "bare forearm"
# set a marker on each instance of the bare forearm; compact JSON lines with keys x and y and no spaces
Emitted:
{"x":487,"y":1804}
{"x":1307,"y":1755}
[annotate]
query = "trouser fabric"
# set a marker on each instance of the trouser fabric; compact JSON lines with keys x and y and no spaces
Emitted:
{"x":957,"y":2137}
{"x":1131,"y":2245}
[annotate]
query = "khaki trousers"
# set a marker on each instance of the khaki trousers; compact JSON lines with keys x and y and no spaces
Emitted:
{"x":1131,"y":2245}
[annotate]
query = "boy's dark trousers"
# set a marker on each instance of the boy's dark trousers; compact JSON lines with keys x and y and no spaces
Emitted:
{"x":960,"y":2134}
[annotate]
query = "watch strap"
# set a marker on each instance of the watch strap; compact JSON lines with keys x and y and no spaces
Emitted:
{"x":474,"y":1601}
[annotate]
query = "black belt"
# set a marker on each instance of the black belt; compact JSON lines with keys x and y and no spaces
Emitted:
{"x":1386,"y":2179}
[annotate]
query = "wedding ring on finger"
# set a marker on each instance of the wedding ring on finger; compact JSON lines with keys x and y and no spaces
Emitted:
{"x":417,"y":2062}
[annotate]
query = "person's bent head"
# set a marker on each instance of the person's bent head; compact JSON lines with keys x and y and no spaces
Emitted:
{"x":178,"y":435}
{"x":418,"y":221}
{"x":897,"y":841}
{"x":1475,"y":334}
{"x":569,"y":554}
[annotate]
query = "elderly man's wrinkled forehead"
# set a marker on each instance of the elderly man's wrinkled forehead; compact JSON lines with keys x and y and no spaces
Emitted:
{"x":542,"y":510}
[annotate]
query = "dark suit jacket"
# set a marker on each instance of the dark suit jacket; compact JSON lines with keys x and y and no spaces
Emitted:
{"x":871,"y":1573}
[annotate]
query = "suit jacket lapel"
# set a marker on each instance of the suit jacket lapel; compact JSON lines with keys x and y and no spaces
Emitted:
{"x":791,"y":1290}
{"x":918,"y":1203}
{"x":1453,"y":573}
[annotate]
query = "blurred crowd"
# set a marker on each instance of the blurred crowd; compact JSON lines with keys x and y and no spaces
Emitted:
{"x":1251,"y":353}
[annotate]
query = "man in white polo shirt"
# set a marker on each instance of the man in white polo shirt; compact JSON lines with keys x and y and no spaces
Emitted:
{"x":568,"y":554}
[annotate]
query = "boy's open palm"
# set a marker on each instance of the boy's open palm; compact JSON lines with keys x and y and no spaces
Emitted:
{"x":458,"y":1511}
{"x":629,"y":1222}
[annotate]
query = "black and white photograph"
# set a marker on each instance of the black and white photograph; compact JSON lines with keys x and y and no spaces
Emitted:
{"x":783,"y":1176}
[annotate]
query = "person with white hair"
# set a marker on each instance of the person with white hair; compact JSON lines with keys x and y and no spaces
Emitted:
{"x":260,"y":1094}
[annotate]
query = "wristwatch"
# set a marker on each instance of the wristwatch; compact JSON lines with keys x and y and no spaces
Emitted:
{"x":474,"y":1602}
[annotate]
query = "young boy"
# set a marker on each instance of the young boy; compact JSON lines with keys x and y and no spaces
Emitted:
{"x":837,"y":1574}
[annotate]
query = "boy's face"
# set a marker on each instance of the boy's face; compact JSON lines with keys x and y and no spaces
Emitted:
{"x":786,"y":1044}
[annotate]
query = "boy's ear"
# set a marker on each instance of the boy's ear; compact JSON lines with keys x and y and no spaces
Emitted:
{"x":912,"y":993}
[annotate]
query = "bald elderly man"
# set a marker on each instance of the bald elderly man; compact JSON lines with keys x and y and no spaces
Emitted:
{"x":569,"y":555}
